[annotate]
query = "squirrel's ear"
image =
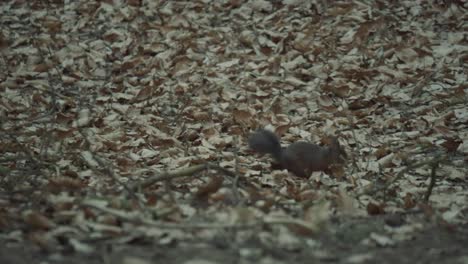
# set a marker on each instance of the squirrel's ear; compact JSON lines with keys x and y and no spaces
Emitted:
{"x":335,"y":145}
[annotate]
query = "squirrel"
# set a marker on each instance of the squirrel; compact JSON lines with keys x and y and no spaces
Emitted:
{"x":300,"y":158}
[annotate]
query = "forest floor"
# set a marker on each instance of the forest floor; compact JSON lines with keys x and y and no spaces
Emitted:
{"x":435,"y":244}
{"x":124,"y":127}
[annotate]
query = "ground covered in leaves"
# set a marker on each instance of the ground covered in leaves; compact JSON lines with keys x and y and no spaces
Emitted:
{"x":123,"y":128}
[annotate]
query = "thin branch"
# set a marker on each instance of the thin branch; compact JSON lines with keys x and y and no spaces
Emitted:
{"x":183,"y":173}
{"x":435,"y":160}
{"x":353,"y":157}
{"x":432,"y":183}
{"x":138,"y":218}
{"x":169,"y":175}
{"x":235,"y":181}
{"x":107,"y":167}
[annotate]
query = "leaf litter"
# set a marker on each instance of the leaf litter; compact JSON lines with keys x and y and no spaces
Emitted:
{"x":98,"y":98}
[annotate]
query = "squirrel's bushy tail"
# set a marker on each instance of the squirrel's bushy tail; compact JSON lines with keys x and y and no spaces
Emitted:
{"x":266,"y":142}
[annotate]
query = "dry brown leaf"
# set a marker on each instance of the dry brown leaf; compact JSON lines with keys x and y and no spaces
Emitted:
{"x":184,"y":88}
{"x":375,"y":209}
{"x":58,"y":184}
{"x":37,"y":220}
{"x":211,"y":187}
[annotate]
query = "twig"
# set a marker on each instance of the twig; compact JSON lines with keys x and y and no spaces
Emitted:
{"x":435,"y":160}
{"x":169,"y":175}
{"x":106,"y":167}
{"x":432,"y":182}
{"x":29,"y":155}
{"x":138,"y":218}
{"x":353,"y":132}
{"x":235,"y":181}
{"x":183,"y":173}
{"x":419,"y":86}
